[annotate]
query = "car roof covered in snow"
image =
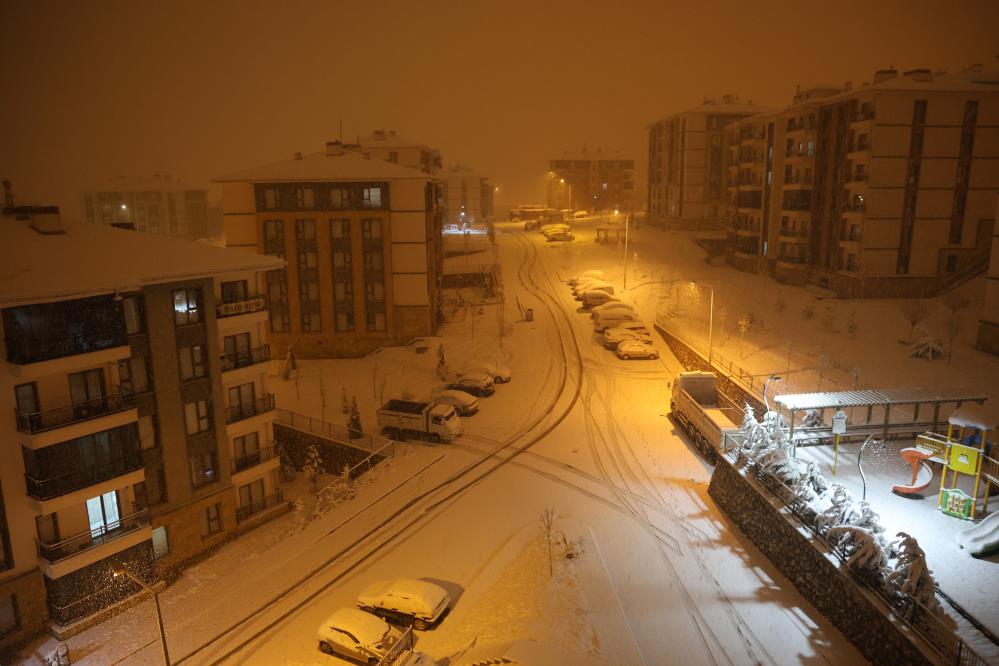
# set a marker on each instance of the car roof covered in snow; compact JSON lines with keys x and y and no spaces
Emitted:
{"x":460,"y":396}
{"x":82,"y":259}
{"x":365,"y":626}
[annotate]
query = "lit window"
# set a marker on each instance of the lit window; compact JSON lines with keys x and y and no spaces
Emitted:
{"x":186,"y":306}
{"x":372,"y":197}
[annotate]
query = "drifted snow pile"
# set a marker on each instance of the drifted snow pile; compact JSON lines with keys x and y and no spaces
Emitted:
{"x":851,"y":527}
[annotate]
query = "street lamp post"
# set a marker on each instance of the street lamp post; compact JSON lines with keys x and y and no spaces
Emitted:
{"x":627,"y":224}
{"x":120,"y":570}
{"x":776,"y":378}
{"x":711,"y":318}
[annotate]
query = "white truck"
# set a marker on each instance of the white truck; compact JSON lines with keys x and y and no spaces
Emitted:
{"x":701,"y":411}
{"x":402,"y":419}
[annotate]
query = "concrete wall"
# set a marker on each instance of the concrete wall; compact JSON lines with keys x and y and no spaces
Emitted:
{"x":29,"y":590}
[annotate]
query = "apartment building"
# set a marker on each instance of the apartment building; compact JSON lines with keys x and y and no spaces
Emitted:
{"x":688,"y":175}
{"x":882,"y":190}
{"x":468,"y":197}
{"x":138,"y":418}
{"x":363,"y":239}
{"x":591,"y":180}
{"x":386,"y":145}
{"x":160,"y":204}
{"x":988,"y":326}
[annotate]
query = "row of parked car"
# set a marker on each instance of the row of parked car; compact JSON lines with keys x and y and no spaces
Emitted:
{"x":478,"y":380}
{"x":368,"y":632}
{"x":618,"y":324}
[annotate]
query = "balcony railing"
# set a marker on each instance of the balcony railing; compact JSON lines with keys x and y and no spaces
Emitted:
{"x":36,"y":422}
{"x":60,"y":550}
{"x":246,"y":510}
{"x":243,"y":359}
{"x":245,"y":411}
{"x":856,"y":177}
{"x":793,"y":233}
{"x":798,"y":180}
{"x":248,"y":460}
{"x":67,"y":482}
{"x":22,"y":349}
{"x":253,"y":304}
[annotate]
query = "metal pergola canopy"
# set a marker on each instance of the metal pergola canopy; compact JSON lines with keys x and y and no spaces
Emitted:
{"x":796,"y":402}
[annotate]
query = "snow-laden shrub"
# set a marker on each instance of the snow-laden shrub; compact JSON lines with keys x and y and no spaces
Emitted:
{"x":813,"y":419}
{"x":840,"y":503}
{"x":911,"y":577}
{"x":863,"y":549}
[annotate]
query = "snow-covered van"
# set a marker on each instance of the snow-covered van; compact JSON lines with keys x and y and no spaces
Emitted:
{"x":423,"y":420}
{"x":406,"y":601}
{"x":595,"y":297}
{"x":612,"y":318}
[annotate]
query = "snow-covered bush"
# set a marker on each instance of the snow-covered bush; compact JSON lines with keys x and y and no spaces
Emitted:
{"x":928,"y":347}
{"x":862,"y":548}
{"x":354,"y":424}
{"x":313,"y":466}
{"x":812,"y":419}
{"x":911,"y":577}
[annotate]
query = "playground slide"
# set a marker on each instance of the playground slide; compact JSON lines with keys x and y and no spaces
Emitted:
{"x":982,"y":539}
{"x":922,"y":473}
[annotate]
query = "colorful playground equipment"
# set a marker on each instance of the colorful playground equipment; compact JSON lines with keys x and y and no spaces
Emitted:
{"x":922,"y":473}
{"x":967,"y":453}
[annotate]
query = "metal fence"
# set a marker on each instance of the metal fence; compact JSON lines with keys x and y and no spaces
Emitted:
{"x":920,"y":619}
{"x":333,"y":431}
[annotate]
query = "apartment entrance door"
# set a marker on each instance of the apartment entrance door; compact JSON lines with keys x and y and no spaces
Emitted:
{"x":86,"y":390}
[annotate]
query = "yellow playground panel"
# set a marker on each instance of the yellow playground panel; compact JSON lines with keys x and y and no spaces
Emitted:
{"x":968,"y":452}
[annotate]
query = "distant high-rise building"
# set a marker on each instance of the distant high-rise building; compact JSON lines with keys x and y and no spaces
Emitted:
{"x":591,"y":180}
{"x":160,"y":205}
{"x":688,"y":165}
{"x":140,"y":417}
{"x":468,"y":196}
{"x":363,"y":239}
{"x":882,"y":190}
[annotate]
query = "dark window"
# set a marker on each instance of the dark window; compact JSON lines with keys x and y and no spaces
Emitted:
{"x":371,"y":229}
{"x":26,"y":397}
{"x":10,"y":618}
{"x":197,"y":416}
{"x":963,"y":172}
{"x":204,"y":468}
{"x":6,"y":556}
{"x":211,"y":520}
{"x":235,"y":291}
{"x":911,"y":186}
{"x":186,"y":306}
{"x":193,"y":362}
{"x":951,"y":263}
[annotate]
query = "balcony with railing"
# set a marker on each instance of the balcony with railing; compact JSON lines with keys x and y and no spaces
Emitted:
{"x":852,"y":235}
{"x":91,"y":538}
{"x":794,"y":234}
{"x":36,"y":422}
{"x":23,"y":349}
{"x":253,"y":458}
{"x":245,"y":306}
{"x":244,"y":511}
{"x":242,"y":411}
{"x":244,"y":359}
{"x":47,"y":331}
{"x":862,"y":115}
{"x":63,"y":483}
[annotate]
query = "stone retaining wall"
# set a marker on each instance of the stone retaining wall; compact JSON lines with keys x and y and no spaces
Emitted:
{"x":815,"y":572}
{"x":294,"y":444}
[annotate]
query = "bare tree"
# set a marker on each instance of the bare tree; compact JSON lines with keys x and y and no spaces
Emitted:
{"x":915,"y":311}
{"x":547,"y":521}
{"x":745,"y":322}
{"x":955,"y":304}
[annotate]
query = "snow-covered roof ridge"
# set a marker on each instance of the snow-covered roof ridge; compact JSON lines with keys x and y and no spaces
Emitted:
{"x":887,"y":396}
{"x":321,"y":166}
{"x":93,"y":259}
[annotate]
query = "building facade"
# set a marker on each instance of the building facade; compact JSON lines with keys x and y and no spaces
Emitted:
{"x":591,"y":180}
{"x":688,"y":165}
{"x":468,"y":197}
{"x":138,"y":432}
{"x":883,"y":190}
{"x":160,"y":205}
{"x":387,"y":145}
{"x":363,"y":241}
{"x":988,"y":326}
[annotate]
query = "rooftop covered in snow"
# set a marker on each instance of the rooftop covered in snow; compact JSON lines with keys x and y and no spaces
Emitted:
{"x":47,"y":259}
{"x":348,"y":165}
{"x":877,"y":397}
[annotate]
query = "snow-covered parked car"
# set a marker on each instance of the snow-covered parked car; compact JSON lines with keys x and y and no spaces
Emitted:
{"x":585,"y":283}
{"x":635,"y":349}
{"x":595,"y":297}
{"x":476,"y":383}
{"x":548,"y":230}
{"x":500,"y":373}
{"x":628,"y":330}
{"x":406,"y":601}
{"x":559,"y":236}
{"x":613,"y":318}
{"x":613,"y":305}
{"x":354,"y":634}
{"x":595,"y":286}
{"x":464,"y":403}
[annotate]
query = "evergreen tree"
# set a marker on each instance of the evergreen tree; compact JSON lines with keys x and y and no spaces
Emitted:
{"x":313,"y":466}
{"x":354,"y":426}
